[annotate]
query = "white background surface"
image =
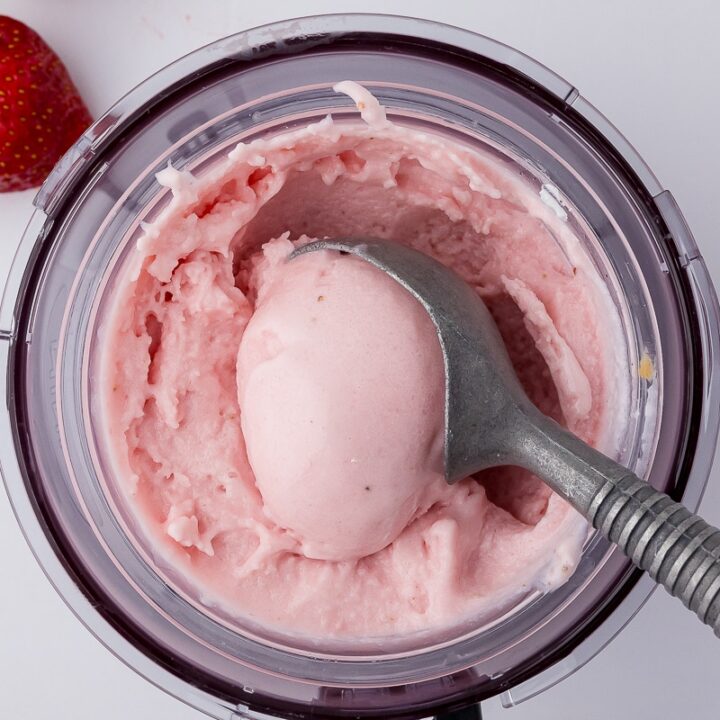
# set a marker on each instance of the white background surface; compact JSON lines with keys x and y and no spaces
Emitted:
{"x":650,"y":66}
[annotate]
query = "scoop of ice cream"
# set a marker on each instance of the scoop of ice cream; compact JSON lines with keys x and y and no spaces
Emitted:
{"x":340,"y":386}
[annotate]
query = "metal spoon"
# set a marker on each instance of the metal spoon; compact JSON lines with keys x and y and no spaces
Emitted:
{"x":490,"y":421}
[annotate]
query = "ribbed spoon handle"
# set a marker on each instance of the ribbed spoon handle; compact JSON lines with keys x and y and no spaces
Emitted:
{"x":677,"y":548}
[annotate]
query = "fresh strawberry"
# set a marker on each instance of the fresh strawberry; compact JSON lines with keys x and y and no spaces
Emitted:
{"x":41,"y":113}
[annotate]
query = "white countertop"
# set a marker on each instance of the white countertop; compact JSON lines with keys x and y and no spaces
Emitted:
{"x":650,"y":65}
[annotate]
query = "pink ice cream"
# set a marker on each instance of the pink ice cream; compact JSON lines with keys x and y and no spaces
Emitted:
{"x":275,"y":428}
{"x":361,"y":420}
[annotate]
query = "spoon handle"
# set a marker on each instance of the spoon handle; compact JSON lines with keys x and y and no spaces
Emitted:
{"x":677,"y":548}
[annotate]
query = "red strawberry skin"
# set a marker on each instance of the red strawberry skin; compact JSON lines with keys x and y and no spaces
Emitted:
{"x":41,"y":112}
